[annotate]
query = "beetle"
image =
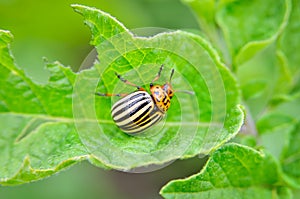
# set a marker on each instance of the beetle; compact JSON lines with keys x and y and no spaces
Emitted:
{"x":138,"y":111}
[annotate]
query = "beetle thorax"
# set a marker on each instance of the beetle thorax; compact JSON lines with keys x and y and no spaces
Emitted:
{"x":161,"y":98}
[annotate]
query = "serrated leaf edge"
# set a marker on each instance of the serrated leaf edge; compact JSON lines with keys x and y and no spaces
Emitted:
{"x":262,"y":154}
{"x":26,"y":164}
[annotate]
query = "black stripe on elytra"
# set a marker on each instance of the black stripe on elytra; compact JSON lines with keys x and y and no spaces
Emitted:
{"x":131,"y":113}
{"x":152,"y":118}
{"x":142,"y":127}
{"x":134,"y":126}
{"x":134,"y":122}
{"x":126,"y":99}
{"x":137,"y":95}
{"x":129,"y":105}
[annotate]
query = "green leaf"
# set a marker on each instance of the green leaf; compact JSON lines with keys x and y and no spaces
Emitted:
{"x":288,"y":46}
{"x":46,"y":128}
{"x":38,"y":136}
{"x":205,"y":11}
{"x":240,"y":29}
{"x":258,"y":78}
{"x":233,"y":171}
{"x":271,"y":77}
{"x":194,"y":124}
{"x":279,"y":134}
{"x":249,"y":27}
{"x":290,"y":158}
{"x":249,"y":32}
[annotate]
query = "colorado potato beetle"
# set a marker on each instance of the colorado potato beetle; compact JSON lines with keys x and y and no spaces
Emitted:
{"x":138,"y":111}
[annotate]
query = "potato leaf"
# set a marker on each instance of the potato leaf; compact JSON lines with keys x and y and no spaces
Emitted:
{"x":46,"y":128}
{"x":37,"y":136}
{"x":240,"y":29}
{"x":194,"y":124}
{"x":233,"y":171}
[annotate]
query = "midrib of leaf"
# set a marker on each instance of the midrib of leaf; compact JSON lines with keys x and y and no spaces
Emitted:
{"x":71,"y":120}
{"x":41,"y":116}
{"x":54,"y":121}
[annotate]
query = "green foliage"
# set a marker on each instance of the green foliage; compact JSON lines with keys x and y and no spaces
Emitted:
{"x":51,"y":126}
{"x":38,"y":136}
{"x":46,"y":128}
{"x":194,"y":119}
{"x":262,"y":40}
{"x":233,"y":171}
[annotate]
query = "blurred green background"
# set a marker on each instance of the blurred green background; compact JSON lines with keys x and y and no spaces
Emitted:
{"x":53,"y":30}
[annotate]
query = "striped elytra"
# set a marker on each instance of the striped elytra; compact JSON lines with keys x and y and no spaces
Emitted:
{"x":138,"y":111}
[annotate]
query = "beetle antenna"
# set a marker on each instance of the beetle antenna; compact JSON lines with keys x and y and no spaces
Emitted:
{"x":158,"y":75}
{"x":172,"y":73}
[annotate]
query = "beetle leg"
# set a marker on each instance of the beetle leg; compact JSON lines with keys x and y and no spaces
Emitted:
{"x":158,"y":74}
{"x":127,"y":82}
{"x":110,"y":94}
